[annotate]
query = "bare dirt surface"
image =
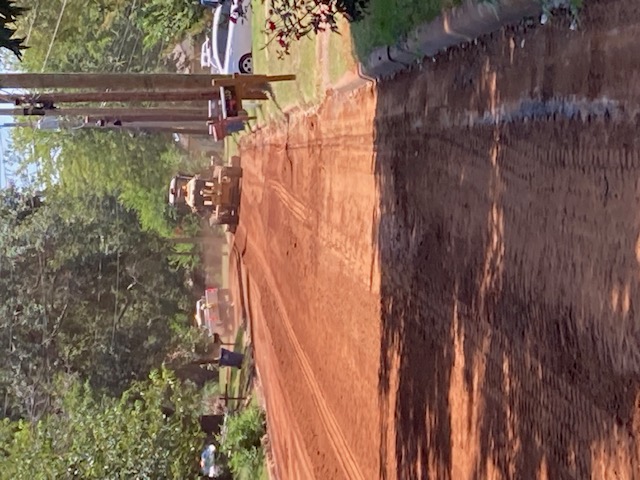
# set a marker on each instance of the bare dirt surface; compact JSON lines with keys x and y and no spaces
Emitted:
{"x":444,"y":273}
{"x":235,"y":290}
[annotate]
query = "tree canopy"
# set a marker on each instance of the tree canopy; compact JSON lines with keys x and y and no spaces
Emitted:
{"x":91,"y":297}
{"x":82,"y":289}
{"x":104,"y":35}
{"x":134,"y":168}
{"x":151,"y":431}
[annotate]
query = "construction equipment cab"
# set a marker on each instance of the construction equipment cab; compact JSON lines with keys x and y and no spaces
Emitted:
{"x":216,"y":196}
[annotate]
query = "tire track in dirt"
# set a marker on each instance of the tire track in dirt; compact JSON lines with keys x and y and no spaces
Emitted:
{"x":314,"y":217}
{"x":329,"y":234}
{"x":337,"y":192}
{"x":293,"y":454}
{"x":289,"y":443}
{"x":296,"y":207}
{"x":335,"y":436}
{"x":340,"y":194}
{"x":262,"y":188}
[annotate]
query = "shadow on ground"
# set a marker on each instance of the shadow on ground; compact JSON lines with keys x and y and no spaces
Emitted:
{"x":509,"y":266}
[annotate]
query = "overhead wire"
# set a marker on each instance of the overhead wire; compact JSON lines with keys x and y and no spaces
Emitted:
{"x":125,"y":36}
{"x":33,"y":21}
{"x":55,"y":34}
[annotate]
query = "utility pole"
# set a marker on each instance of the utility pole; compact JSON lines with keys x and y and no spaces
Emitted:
{"x":128,"y":96}
{"x":121,"y":114}
{"x":199,"y":117}
{"x":159,"y":123}
{"x":151,"y":129}
{"x":110,"y":112}
{"x":102,"y":81}
{"x":117,"y":96}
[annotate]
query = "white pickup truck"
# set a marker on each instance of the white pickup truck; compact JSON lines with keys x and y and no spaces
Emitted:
{"x":213,"y":309}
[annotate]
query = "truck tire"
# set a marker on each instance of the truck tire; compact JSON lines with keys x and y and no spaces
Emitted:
{"x":228,"y":217}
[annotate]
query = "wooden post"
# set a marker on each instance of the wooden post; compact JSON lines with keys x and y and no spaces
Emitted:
{"x":250,"y":80}
{"x":127,"y":96}
{"x":168,"y":113}
{"x":120,"y":81}
{"x":118,"y":96}
{"x":126,"y":118}
{"x":156,"y":129}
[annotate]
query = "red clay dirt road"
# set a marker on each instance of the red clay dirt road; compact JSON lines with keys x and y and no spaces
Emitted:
{"x":444,"y":280}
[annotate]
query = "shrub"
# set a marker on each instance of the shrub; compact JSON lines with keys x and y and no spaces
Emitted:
{"x":167,"y":19}
{"x":241,"y":442}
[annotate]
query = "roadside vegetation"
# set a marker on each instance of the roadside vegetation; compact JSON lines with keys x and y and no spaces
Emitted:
{"x":101,"y":372}
{"x":242,"y":443}
{"x":385,"y":21}
{"x":373,"y":23}
{"x":105,"y":36}
{"x":150,"y":431}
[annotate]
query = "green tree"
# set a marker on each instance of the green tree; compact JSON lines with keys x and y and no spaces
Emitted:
{"x":162,"y":19}
{"x":135,"y":168}
{"x":151,"y":431}
{"x":82,"y":289}
{"x":105,"y":35}
{"x":242,"y":442}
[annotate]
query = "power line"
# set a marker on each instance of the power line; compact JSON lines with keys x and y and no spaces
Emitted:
{"x":35,"y":15}
{"x":55,"y":33}
{"x":125,"y":35}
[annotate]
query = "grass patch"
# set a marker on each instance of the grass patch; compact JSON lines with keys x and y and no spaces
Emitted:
{"x":388,"y":20}
{"x":234,"y":379}
{"x":340,"y":54}
{"x":231,"y":146}
{"x":260,"y":473}
{"x":301,"y":61}
{"x":263,"y":473}
{"x":242,"y":443}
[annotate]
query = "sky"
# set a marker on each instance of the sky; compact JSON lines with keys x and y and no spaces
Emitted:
{"x":5,"y":153}
{"x":6,"y":62}
{"x":4,"y":147}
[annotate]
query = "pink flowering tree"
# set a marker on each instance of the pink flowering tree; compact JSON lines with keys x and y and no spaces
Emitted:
{"x":291,"y":20}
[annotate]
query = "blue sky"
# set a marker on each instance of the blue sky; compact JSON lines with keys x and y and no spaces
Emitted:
{"x":5,"y":153}
{"x":4,"y":147}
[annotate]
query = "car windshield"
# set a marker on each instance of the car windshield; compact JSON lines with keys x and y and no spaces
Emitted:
{"x":220,"y":34}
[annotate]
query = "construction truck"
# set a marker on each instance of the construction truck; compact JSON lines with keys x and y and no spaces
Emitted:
{"x":216,"y":197}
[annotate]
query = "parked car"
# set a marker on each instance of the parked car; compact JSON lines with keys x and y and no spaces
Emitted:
{"x":214,"y":49}
{"x":233,"y":29}
{"x":206,"y":54}
{"x":213,"y":309}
